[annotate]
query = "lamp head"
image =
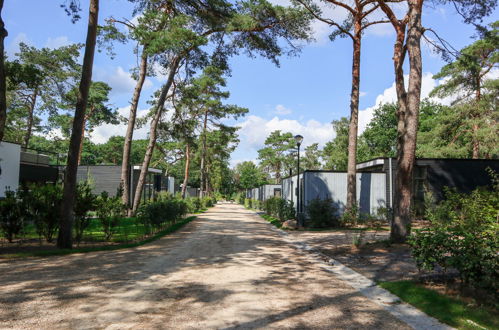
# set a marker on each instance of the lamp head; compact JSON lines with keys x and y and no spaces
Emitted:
{"x":298,"y":139}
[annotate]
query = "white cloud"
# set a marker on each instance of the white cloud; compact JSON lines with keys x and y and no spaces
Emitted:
{"x":120,"y":80}
{"x":13,"y":46}
{"x":254,"y":130}
{"x":361,"y":94}
{"x":57,"y":42}
{"x":282,"y":110}
{"x":102,"y":133}
{"x":390,"y":95}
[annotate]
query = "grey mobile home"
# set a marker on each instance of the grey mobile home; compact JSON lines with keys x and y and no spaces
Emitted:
{"x":108,"y":178}
{"x":371,"y":189}
{"x":269,"y":190}
{"x":434,"y":174}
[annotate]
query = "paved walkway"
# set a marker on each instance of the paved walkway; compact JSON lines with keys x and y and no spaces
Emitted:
{"x":225,"y":270}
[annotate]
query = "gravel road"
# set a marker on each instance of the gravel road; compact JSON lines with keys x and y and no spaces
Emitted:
{"x":225,"y":270}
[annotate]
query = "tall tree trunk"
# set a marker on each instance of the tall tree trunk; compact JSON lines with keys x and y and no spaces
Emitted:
{"x":64,"y":239}
{"x":81,"y":142}
{"x":31,"y":113}
{"x":407,"y":153}
{"x":203,"y":156}
{"x":127,"y":145}
{"x":3,"y":84}
{"x":475,"y":127}
{"x":186,"y":171}
{"x":354,"y":120}
{"x":153,"y":133}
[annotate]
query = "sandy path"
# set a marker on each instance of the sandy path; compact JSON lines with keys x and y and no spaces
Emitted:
{"x":226,"y":270}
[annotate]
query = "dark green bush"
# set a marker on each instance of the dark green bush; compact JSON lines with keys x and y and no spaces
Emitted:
{"x":109,"y":211}
{"x":241,"y":198}
{"x":11,"y":215}
{"x":43,"y":204}
{"x":321,"y":213}
{"x":464,"y":235}
{"x":85,"y":202}
{"x":207,"y":201}
{"x":279,"y":208}
{"x":163,"y":211}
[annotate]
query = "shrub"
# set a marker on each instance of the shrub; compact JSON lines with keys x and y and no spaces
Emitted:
{"x":350,"y":217}
{"x":43,"y":204}
{"x":247,"y":203}
{"x":85,"y":202}
{"x":11,"y":215}
{"x":241,"y":198}
{"x":322,"y":213}
{"x":279,"y":208}
{"x":193,"y":204}
{"x":109,"y":211}
{"x":463,"y":235}
{"x":207,"y":201}
{"x":166,"y":210}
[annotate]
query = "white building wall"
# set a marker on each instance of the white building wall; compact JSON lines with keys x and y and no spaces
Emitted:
{"x":10,"y":160}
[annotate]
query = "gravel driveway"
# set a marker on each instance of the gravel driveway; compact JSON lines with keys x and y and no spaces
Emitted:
{"x":225,"y":270}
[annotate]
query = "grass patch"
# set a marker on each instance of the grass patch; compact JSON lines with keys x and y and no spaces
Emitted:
{"x":451,"y":311}
{"x":59,"y":252}
{"x":272,"y":220}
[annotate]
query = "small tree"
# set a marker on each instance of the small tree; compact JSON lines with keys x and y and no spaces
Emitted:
{"x":86,"y":201}
{"x":11,"y":215}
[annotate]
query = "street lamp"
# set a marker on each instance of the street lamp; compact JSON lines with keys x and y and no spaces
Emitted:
{"x":298,"y":139}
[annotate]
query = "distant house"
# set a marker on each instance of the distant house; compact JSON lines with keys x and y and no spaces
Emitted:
{"x":108,"y":178}
{"x":269,"y":190}
{"x":371,"y":189}
{"x":20,"y":165}
{"x":433,"y":174}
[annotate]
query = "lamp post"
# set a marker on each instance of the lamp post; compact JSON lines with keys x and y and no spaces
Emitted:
{"x":298,"y":139}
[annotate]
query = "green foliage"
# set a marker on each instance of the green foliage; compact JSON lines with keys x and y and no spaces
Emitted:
{"x":351,"y":217}
{"x":240,"y":198}
{"x":11,"y":215}
{"x":248,"y":175}
{"x":43,"y":202}
{"x":85,"y":202}
{"x":463,"y":235}
{"x":336,"y":152}
{"x":279,"y":208}
{"x":165,"y":210}
{"x":109,"y":211}
{"x":275,"y":153}
{"x":321,"y":213}
{"x":207,"y":202}
{"x":311,"y":159}
{"x":194,"y":204}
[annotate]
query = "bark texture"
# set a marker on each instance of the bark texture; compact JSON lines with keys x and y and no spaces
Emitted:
{"x":186,"y":171}
{"x":31,"y":115}
{"x":127,"y":146}
{"x":354,"y":119}
{"x":203,"y":179}
{"x":400,"y":228}
{"x":64,"y":239}
{"x":153,"y":132}
{"x":3,"y":84}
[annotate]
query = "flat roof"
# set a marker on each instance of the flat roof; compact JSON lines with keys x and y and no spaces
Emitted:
{"x":150,"y":169}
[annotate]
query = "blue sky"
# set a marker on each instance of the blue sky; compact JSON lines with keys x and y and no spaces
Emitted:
{"x":303,"y":95}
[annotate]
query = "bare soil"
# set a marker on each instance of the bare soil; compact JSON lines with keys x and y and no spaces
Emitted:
{"x":374,"y":259}
{"x":225,"y":270}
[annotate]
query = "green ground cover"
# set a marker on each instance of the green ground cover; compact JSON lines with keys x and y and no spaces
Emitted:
{"x":126,"y":224}
{"x":452,"y":311}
